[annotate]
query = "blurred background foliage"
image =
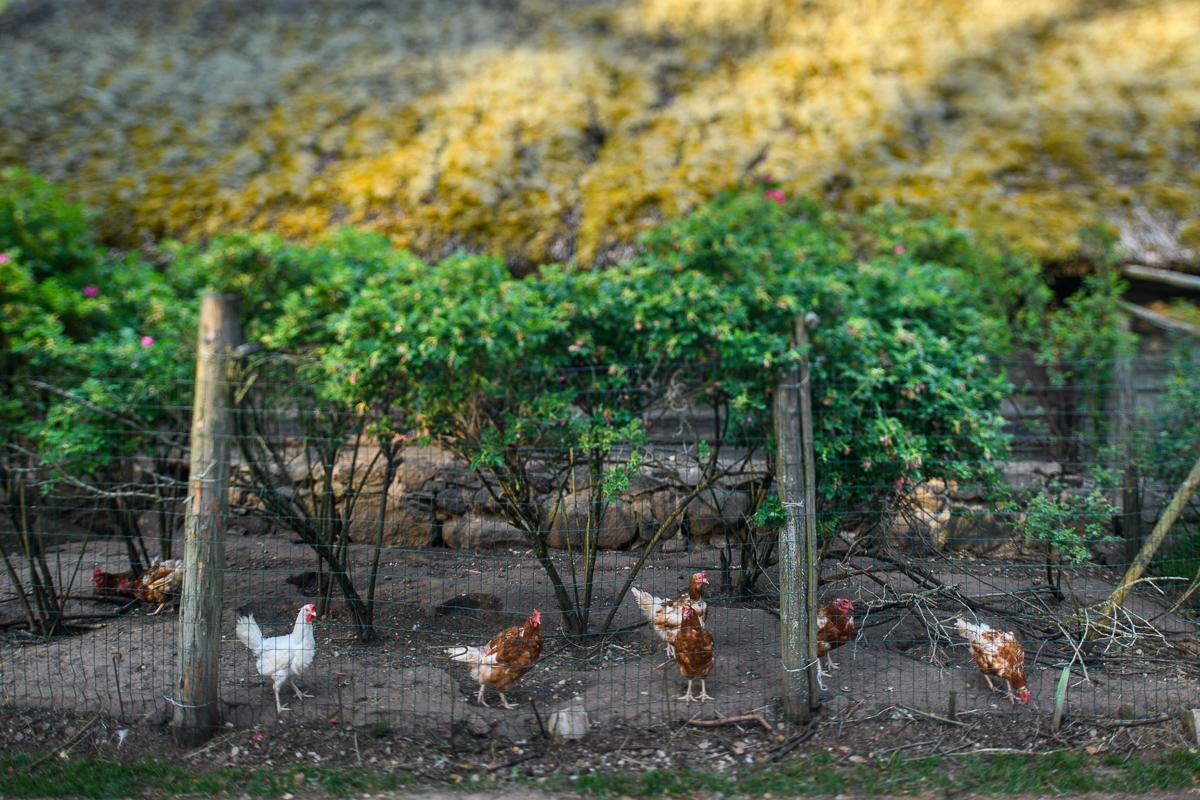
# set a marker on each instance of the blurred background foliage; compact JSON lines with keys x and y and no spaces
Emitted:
{"x":543,"y":131}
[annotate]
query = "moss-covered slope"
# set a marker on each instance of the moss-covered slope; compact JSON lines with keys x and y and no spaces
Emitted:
{"x":557,"y":130}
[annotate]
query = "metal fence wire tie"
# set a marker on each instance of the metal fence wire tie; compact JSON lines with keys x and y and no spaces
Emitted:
{"x":178,"y":704}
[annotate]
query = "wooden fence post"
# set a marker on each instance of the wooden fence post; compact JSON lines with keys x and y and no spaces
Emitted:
{"x":794,"y":465}
{"x":197,"y":713}
{"x":1129,"y":516}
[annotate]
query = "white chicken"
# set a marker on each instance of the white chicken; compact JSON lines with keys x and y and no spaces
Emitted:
{"x":281,"y":658}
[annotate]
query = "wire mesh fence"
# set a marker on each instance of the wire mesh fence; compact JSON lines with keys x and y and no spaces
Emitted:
{"x":414,"y":549}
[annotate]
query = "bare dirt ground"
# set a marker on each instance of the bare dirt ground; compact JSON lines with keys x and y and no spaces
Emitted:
{"x":898,"y":667}
{"x":462,"y":756}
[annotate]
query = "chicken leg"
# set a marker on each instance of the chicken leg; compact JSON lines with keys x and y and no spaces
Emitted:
{"x":504,"y":702}
{"x":703,"y":693}
{"x":277,"y":684}
{"x":300,"y":695}
{"x":687,"y":698}
{"x":479,"y":697}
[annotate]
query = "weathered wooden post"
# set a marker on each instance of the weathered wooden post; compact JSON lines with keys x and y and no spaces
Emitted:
{"x":795,"y":471}
{"x":197,"y":713}
{"x":1129,"y":517}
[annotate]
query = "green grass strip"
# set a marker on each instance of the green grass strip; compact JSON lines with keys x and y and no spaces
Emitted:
{"x":996,"y":774}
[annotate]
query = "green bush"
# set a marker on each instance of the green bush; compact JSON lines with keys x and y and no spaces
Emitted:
{"x":51,"y":234}
{"x":565,"y":368}
{"x":904,"y":383}
{"x":1066,"y":523}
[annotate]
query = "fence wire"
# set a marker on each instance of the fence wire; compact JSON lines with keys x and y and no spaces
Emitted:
{"x":412,"y":553}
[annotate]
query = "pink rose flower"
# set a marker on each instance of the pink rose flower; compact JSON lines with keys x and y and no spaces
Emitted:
{"x":147,"y":341}
{"x":91,"y":291}
{"x":899,"y":249}
{"x":5,"y":258}
{"x":776,"y":195}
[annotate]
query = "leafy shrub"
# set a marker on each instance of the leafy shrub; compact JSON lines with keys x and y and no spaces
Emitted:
{"x":1067,"y":523}
{"x":561,"y":373}
{"x":51,"y":234}
{"x":511,"y":371}
{"x":904,"y":388}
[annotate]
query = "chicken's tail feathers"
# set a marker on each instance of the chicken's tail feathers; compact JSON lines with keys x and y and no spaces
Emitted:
{"x":646,"y":602}
{"x":248,"y":632}
{"x":971,"y":630}
{"x":468,"y":655}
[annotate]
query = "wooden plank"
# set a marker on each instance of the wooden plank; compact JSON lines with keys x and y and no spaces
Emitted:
{"x":1159,"y":320}
{"x":1181,"y":280}
{"x":197,"y":712}
{"x":797,"y":547}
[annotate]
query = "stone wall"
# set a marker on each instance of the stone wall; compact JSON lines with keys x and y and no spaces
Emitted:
{"x":436,"y":500}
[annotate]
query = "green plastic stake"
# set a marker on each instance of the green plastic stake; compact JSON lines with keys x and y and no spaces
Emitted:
{"x":1060,"y":698}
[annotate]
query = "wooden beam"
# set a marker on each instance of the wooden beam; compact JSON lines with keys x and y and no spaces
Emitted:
{"x":1180,"y":280}
{"x":1160,"y":320}
{"x":1190,"y":485}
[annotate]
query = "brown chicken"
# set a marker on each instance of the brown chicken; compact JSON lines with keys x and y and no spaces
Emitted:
{"x":997,"y":653}
{"x":693,"y":653}
{"x":835,"y":627}
{"x":113,"y":584}
{"x":508,"y":656}
{"x":161,"y":583}
{"x":667,"y":615}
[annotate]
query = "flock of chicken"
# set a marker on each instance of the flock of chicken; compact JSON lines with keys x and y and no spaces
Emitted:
{"x":680,"y":621}
{"x":160,"y":583}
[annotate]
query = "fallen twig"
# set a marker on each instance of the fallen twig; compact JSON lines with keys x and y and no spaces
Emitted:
{"x":216,"y":742}
{"x":909,"y":746}
{"x":537,"y":714}
{"x":1133,"y":723}
{"x":512,"y":762}
{"x":809,"y":730}
{"x":62,"y":751}
{"x":75,"y":617}
{"x":934,"y":717}
{"x":712,"y":723}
